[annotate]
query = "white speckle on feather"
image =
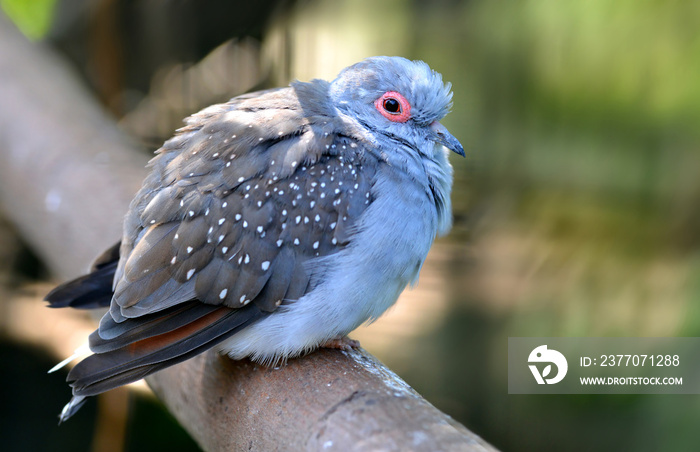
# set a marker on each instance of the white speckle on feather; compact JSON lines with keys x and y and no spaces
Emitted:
{"x":190,"y":272}
{"x":222,"y":294}
{"x":265,"y":265}
{"x":189,"y":249}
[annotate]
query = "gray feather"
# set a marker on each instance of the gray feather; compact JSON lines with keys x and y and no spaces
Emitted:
{"x":309,"y":197}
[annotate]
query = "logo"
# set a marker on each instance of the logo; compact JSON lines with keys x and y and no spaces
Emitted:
{"x":542,"y":355}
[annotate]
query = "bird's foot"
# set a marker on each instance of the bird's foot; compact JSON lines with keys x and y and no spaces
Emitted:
{"x":341,"y":343}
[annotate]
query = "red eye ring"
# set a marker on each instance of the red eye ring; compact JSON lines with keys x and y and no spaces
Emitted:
{"x":387,"y":106}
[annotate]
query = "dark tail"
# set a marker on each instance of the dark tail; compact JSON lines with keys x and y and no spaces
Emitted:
{"x":127,"y":351}
{"x":143,"y":347}
{"x":91,"y":291}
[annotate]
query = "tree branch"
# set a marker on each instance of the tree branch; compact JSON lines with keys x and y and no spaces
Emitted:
{"x":67,"y":176}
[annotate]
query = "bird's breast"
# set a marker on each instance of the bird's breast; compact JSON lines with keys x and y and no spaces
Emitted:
{"x":355,"y":285}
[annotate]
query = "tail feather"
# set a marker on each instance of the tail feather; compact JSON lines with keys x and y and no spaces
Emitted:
{"x":128,"y":350}
{"x":103,"y":371}
{"x":71,"y":408}
{"x":81,"y":351}
{"x":113,"y":335}
{"x":91,"y":291}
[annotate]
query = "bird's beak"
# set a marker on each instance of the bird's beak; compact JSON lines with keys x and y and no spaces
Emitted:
{"x":441,"y":136}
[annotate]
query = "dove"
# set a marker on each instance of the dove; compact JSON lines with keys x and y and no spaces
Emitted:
{"x":273,"y":224}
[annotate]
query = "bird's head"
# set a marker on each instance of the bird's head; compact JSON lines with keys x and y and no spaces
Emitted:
{"x":400,"y":99}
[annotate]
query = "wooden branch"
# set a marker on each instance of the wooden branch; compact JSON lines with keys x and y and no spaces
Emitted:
{"x":328,"y":400}
{"x":66,"y":177}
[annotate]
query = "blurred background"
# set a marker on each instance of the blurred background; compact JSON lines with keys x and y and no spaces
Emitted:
{"x":576,"y":209}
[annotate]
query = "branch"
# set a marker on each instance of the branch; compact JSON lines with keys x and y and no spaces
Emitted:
{"x":67,"y":176}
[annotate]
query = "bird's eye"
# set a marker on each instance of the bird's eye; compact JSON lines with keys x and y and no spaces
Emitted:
{"x":393,"y":106}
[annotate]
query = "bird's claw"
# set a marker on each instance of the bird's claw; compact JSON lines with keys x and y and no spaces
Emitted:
{"x":341,"y":343}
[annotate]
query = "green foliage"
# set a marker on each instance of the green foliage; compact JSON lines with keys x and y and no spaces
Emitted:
{"x":32,"y":17}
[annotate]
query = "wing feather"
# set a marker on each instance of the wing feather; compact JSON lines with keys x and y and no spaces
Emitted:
{"x":246,"y":181}
{"x":225,"y":229}
{"x":103,"y":371}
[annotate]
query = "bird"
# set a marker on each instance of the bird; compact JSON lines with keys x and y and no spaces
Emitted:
{"x":272,"y":224}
